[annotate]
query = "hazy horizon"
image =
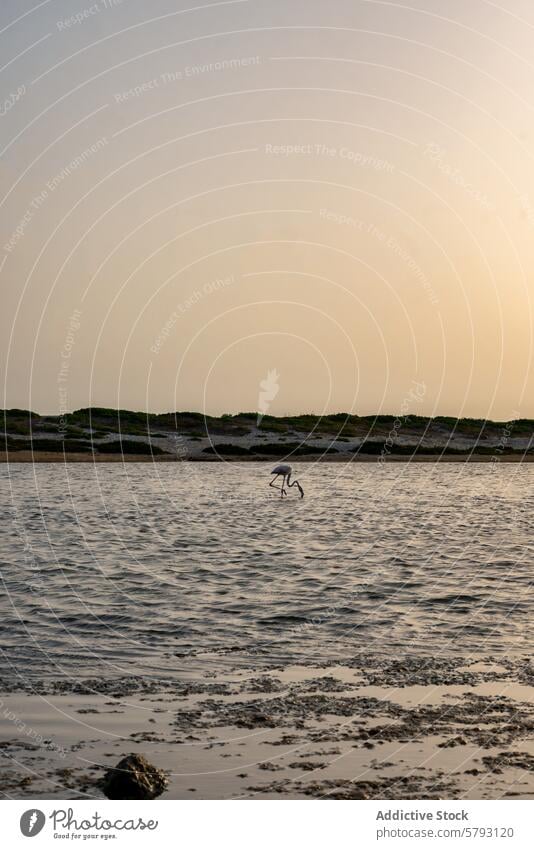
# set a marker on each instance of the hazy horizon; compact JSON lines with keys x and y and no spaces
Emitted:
{"x":196,"y":198}
{"x":300,"y":413}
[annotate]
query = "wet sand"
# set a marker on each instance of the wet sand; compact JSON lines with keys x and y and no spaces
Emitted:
{"x":415,"y":728}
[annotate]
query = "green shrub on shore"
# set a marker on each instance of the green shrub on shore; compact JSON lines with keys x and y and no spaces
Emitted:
{"x":72,"y":446}
{"x":75,"y":446}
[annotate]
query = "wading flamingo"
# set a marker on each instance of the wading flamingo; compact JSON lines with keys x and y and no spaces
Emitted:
{"x":285,"y":470}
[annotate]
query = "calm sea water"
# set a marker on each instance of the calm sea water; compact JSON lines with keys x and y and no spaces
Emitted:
{"x":140,"y":569}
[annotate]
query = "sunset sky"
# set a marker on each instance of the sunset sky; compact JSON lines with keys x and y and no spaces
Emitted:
{"x":197,"y":194}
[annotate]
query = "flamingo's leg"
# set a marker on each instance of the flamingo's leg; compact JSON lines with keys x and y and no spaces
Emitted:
{"x":273,"y":482}
{"x":283,"y":491}
{"x":296,"y":483}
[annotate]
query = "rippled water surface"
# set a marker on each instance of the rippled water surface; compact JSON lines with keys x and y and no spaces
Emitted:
{"x":113,"y":569}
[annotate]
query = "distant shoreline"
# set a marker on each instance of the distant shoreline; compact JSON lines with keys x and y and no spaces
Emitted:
{"x":104,"y":435}
{"x":13,"y":457}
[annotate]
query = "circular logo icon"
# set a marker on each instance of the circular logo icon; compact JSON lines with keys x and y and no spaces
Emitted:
{"x":32,"y":822}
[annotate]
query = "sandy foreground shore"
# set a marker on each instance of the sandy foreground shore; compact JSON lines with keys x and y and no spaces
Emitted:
{"x":370,"y":728}
{"x":57,"y":457}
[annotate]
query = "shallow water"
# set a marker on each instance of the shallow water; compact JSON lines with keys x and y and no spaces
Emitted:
{"x":143,"y":569}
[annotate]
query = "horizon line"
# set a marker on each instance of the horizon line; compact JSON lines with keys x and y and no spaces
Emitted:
{"x":254,"y":413}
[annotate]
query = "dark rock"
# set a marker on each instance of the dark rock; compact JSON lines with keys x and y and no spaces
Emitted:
{"x":306,"y":765}
{"x":454,"y":741}
{"x":134,"y":778}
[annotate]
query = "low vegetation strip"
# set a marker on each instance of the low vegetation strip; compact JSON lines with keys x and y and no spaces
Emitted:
{"x":127,"y":422}
{"x":72,"y":446}
{"x":102,"y":431}
{"x":379,"y":447}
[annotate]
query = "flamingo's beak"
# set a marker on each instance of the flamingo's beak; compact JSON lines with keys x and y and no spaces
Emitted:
{"x":300,"y":490}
